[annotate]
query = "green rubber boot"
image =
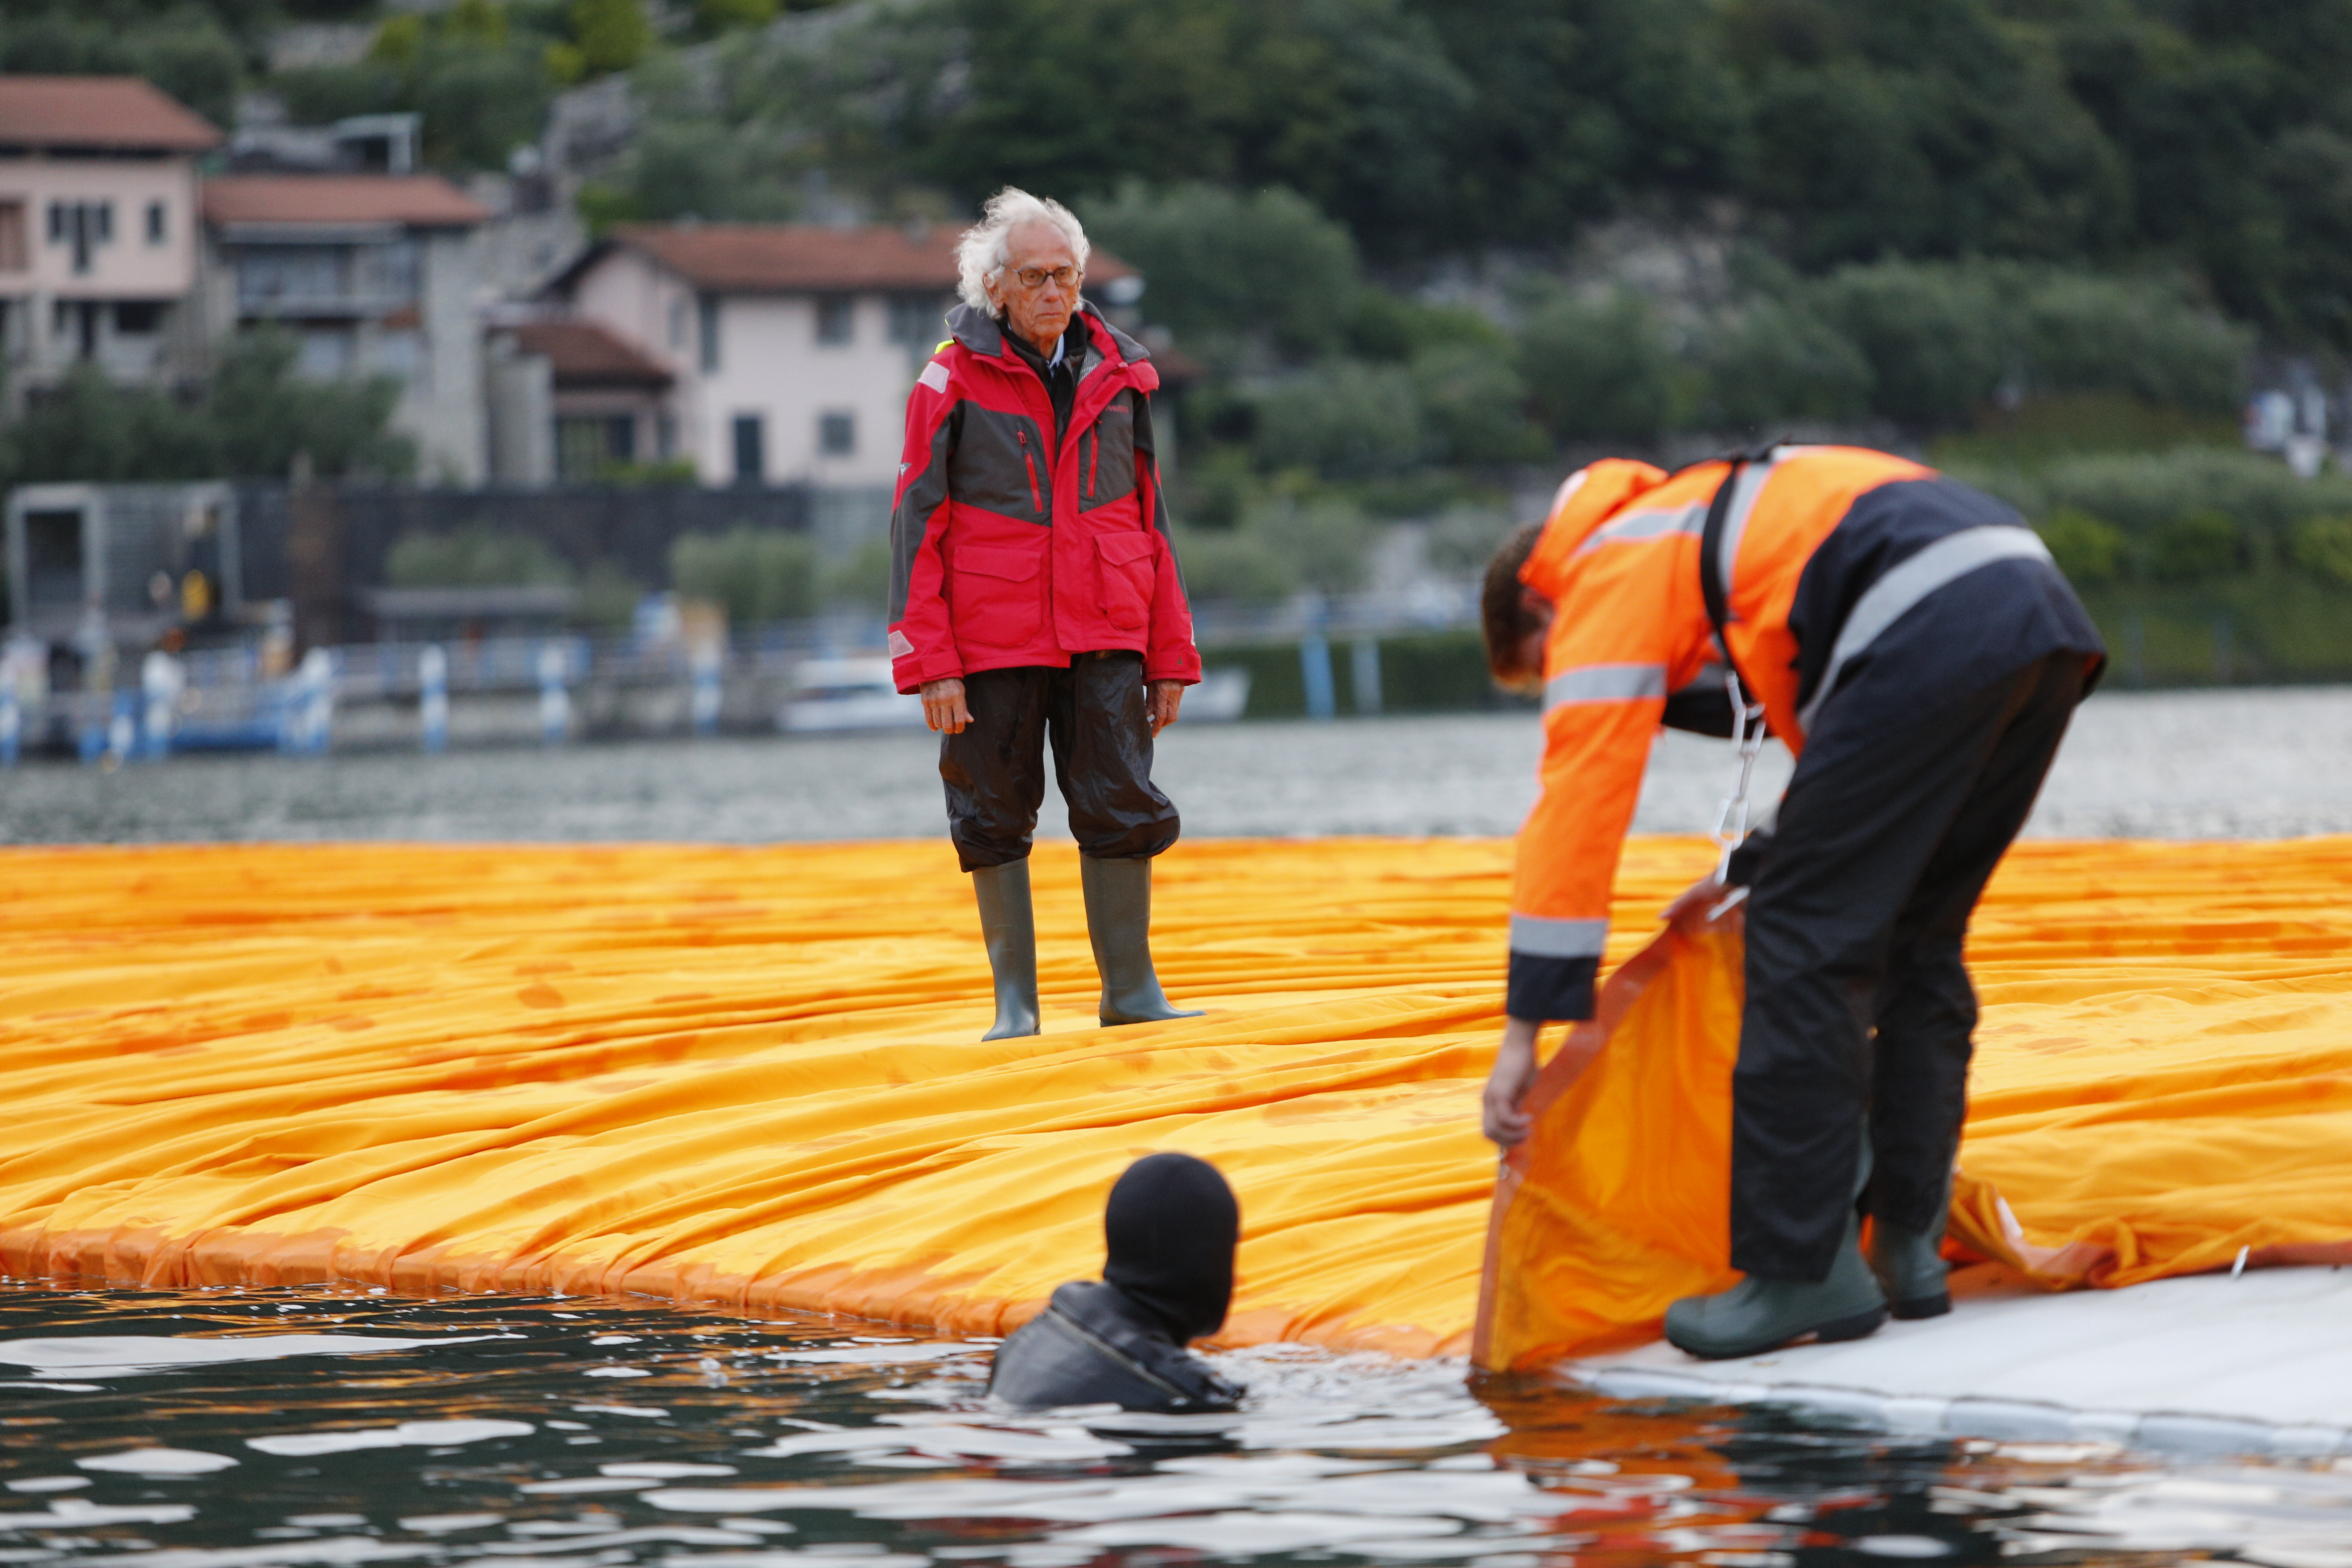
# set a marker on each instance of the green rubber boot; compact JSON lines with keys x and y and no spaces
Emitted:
{"x":1910,"y":1266}
{"x":1010,"y":930}
{"x":1756,"y":1315}
{"x":1118,"y":923}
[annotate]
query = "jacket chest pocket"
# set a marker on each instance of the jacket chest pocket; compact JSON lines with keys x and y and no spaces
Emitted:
{"x":1001,"y":464}
{"x":1129,"y":573}
{"x":994,"y":598}
{"x":1107,"y":456}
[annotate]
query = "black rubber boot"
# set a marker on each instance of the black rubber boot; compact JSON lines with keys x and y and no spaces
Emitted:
{"x":1010,"y":930}
{"x":1756,"y":1315}
{"x":1910,"y":1266}
{"x":1118,"y":923}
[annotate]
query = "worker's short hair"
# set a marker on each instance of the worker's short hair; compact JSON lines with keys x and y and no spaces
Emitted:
{"x":1503,"y":612}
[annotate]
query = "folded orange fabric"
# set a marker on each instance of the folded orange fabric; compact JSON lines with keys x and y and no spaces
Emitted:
{"x":2159,"y":1088}
{"x":750,"y":1077}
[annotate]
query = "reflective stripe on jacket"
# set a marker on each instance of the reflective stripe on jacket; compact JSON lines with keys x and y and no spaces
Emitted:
{"x":1010,"y":548}
{"x":1619,"y":558}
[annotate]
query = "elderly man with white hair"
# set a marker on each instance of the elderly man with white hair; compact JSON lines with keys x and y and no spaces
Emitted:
{"x":1035,"y":597}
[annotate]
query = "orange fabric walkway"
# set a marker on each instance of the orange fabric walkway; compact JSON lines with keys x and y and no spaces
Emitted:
{"x":750,"y":1075}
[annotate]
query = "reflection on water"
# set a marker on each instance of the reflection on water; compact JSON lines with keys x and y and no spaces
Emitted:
{"x":227,"y":1428}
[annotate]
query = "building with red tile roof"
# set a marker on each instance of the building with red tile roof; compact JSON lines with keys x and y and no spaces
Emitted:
{"x":98,"y":231}
{"x":794,"y":345}
{"x":375,"y":275}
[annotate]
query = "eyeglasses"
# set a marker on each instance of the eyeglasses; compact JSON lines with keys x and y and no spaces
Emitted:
{"x":1035,"y":277}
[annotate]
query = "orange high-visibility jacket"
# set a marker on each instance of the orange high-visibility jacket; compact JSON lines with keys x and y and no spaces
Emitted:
{"x":1619,"y":558}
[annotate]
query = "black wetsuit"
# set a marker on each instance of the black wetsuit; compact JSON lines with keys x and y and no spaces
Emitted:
{"x":1095,"y":1344}
{"x":1169,"y":1228}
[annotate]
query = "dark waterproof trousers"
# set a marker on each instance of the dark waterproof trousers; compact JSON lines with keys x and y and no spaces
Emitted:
{"x":1095,"y":713}
{"x":1857,"y":1000}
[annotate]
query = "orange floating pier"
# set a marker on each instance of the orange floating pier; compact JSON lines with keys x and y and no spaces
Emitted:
{"x":750,"y":1077}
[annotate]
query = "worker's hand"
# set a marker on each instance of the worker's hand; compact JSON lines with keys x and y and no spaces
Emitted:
{"x":1695,"y":901}
{"x":1163,"y":698}
{"x":943,"y":706}
{"x":1507,"y":1084}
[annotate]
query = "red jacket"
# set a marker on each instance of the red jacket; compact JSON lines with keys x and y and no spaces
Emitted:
{"x":1005,"y":551}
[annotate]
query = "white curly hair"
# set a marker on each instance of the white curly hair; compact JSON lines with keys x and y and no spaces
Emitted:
{"x":979,"y":254}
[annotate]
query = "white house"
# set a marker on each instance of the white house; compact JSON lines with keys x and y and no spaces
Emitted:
{"x":375,"y":275}
{"x":98,"y":231}
{"x":791,"y":347}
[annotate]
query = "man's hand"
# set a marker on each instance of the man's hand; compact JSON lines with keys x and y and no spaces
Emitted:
{"x":943,"y":706}
{"x":1507,"y":1084}
{"x":1693,"y":901}
{"x":1164,"y":697}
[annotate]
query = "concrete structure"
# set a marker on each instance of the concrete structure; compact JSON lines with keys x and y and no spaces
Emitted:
{"x":793,"y":346}
{"x":98,"y":232}
{"x":374,"y":274}
{"x":608,"y":400}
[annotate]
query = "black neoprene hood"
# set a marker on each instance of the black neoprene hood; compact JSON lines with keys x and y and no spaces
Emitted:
{"x":1171,"y":1228}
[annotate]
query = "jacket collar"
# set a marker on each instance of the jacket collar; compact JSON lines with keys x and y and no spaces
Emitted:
{"x":1592,"y":496}
{"x":977,"y":329}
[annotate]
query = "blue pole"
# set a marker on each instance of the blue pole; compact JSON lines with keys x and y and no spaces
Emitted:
{"x":123,"y":734}
{"x":707,"y":693}
{"x":12,"y":720}
{"x":1315,"y":668}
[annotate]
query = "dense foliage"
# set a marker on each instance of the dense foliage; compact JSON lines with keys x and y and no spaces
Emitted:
{"x":253,"y":419}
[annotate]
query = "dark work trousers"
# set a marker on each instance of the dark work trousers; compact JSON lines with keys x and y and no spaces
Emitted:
{"x":1856,"y":996}
{"x":1096,"y":713}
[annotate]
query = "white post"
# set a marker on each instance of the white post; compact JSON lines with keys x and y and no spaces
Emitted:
{"x":433,"y":701}
{"x":554,"y":701}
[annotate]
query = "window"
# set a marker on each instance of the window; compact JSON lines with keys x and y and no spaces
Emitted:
{"x":750,"y":448}
{"x":916,"y":320}
{"x":678,"y":324}
{"x":279,"y":276}
{"x":708,"y":307}
{"x":155,"y":223}
{"x":85,"y":225}
{"x":400,"y":354}
{"x":837,"y":434}
{"x":13,"y":255}
{"x":621,"y":438}
{"x":837,"y":319}
{"x":387,"y":274}
{"x":324,"y":354}
{"x":578,"y":447}
{"x":137,"y":318}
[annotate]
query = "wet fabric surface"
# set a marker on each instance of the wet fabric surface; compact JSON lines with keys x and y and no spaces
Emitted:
{"x":752,"y":1076}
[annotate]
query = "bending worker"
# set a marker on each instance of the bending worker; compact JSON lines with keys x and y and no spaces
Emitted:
{"x":1169,"y":1230}
{"x":1911,"y":641}
{"x":1033,"y":594}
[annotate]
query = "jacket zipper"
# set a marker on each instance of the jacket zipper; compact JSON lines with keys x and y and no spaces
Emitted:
{"x":1030,"y":463}
{"x":1094,"y":464}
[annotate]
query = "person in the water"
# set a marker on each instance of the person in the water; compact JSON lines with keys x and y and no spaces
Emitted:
{"x":1169,"y":1229}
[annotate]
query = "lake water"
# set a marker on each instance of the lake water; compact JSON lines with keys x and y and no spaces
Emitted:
{"x":217,"y":1428}
{"x":2223,"y":763}
{"x":236,"y":1428}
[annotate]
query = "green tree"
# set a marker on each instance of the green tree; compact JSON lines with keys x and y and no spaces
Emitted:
{"x":2323,"y":546}
{"x":1475,"y":405}
{"x":760,"y":574}
{"x":2087,"y":551}
{"x":2196,"y":547}
{"x":1599,"y":370}
{"x":1222,"y":268}
{"x":249,"y":422}
{"x":1777,"y":360}
{"x":1343,"y":419}
{"x":472,"y":558}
